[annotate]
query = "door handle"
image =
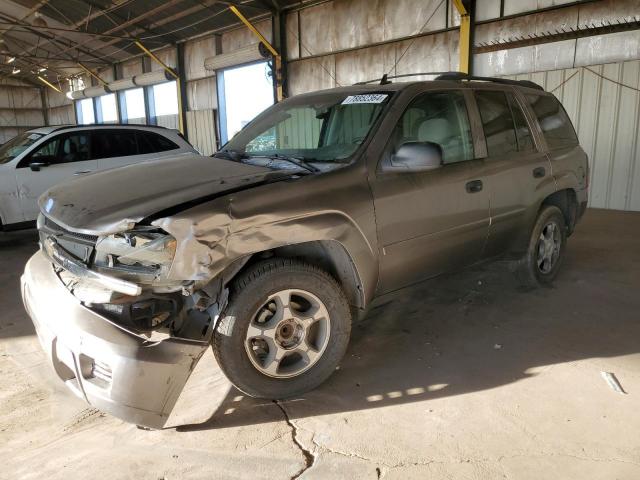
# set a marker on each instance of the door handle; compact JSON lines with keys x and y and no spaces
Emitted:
{"x":474,"y":186}
{"x":539,"y":172}
{"x":82,"y":172}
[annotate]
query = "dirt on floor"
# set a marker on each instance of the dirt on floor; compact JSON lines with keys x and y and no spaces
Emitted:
{"x":465,"y":376}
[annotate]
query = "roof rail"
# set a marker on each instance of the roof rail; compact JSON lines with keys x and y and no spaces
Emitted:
{"x":504,"y":81}
{"x":385,"y":78}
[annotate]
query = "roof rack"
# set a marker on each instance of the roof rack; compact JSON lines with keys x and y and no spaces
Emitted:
{"x":504,"y":81}
{"x":454,"y":76}
{"x":385,"y":78}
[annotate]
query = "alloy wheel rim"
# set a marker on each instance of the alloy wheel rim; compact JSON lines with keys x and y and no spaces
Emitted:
{"x":288,"y":333}
{"x":548,"y":247}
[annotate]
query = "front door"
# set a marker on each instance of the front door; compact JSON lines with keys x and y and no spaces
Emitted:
{"x":435,"y":221}
{"x":63,"y":157}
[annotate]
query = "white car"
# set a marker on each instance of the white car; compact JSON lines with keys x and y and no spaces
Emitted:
{"x":37,"y":159}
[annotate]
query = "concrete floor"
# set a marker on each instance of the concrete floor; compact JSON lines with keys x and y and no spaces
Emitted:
{"x":465,"y":376}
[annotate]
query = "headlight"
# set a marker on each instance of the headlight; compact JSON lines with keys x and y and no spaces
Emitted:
{"x":140,"y":250}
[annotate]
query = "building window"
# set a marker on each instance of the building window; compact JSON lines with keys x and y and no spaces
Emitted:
{"x":165,"y":99}
{"x":84,"y":111}
{"x":106,"y":111}
{"x":132,"y":107}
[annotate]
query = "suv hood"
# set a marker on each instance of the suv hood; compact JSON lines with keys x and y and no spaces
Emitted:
{"x":114,"y":200}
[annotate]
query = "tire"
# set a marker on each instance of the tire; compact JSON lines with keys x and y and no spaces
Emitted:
{"x":245,"y":360}
{"x":530,"y":272}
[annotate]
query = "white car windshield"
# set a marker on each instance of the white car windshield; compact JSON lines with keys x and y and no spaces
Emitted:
{"x":17,"y":145}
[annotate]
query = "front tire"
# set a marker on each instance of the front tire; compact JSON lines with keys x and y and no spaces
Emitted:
{"x":285,"y":330}
{"x":541,"y":263}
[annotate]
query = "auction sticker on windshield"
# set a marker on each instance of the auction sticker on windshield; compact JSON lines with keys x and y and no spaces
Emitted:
{"x":365,"y":98}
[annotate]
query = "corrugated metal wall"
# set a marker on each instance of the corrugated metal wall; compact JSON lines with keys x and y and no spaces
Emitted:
{"x":604,"y":104}
{"x":20,"y":109}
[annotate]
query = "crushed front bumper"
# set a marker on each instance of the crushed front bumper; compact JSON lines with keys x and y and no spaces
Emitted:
{"x":112,"y":368}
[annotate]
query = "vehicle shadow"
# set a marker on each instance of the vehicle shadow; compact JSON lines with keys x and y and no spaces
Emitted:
{"x":472,"y":331}
{"x":15,"y":250}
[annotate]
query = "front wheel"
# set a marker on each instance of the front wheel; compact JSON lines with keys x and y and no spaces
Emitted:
{"x":285,"y":330}
{"x":541,"y":263}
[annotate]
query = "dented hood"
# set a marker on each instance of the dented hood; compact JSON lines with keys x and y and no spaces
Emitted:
{"x":114,"y":200}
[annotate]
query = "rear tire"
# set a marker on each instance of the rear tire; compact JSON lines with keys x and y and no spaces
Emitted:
{"x":545,"y":252}
{"x":285,"y":330}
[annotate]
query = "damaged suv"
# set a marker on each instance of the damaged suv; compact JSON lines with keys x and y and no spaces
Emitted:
{"x":270,"y":249}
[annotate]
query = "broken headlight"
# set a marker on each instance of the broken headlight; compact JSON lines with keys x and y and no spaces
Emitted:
{"x":143,"y":255}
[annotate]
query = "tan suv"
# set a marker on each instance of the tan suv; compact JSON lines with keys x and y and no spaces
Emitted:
{"x":269,"y":250}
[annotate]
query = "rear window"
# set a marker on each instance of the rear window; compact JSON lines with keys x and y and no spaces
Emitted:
{"x":554,"y":121}
{"x":150,"y":142}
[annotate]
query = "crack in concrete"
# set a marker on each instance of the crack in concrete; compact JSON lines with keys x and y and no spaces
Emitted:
{"x":309,"y":457}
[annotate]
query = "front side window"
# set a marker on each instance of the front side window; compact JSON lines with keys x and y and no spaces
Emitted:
{"x":17,"y":145}
{"x":48,"y":151}
{"x":497,"y":122}
{"x":441,"y":118}
{"x":75,"y":148}
{"x":326,"y":127}
{"x":554,"y":121}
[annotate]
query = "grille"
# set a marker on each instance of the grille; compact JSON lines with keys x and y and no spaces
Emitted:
{"x":51,"y":225}
{"x":102,"y":371}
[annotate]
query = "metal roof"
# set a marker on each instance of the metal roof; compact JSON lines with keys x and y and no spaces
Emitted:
{"x":57,"y":34}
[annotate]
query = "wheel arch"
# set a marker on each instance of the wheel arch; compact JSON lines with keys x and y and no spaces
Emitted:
{"x":329,"y":255}
{"x":566,"y":201}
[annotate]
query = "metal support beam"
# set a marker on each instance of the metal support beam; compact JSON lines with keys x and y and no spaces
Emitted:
{"x":175,"y":75}
{"x":182,"y":89}
{"x":280,"y":63}
{"x":94,"y":75}
{"x":45,"y":110}
{"x":277,"y":58}
{"x":49,"y":84}
{"x":465,"y":9}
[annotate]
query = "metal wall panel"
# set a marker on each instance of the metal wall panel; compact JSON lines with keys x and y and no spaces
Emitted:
{"x":62,"y":115}
{"x":606,"y":114}
{"x":202,"y":130}
{"x":168,"y":121}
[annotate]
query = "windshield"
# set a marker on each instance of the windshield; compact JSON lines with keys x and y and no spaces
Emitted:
{"x":327,"y":127}
{"x":17,"y":145}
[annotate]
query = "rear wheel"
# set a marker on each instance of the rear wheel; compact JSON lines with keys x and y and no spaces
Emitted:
{"x":545,"y":252}
{"x":285,"y":329}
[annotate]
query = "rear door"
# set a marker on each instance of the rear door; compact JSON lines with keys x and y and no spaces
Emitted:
{"x":434,"y":221}
{"x":127,"y":146}
{"x":64,"y":156}
{"x":517,"y":168}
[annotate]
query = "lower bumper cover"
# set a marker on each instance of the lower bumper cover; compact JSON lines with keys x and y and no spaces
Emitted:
{"x":113,"y":369}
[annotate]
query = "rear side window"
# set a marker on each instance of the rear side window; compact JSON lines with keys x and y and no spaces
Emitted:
{"x":150,"y":142}
{"x":114,"y":143}
{"x":554,"y":121}
{"x":523,"y":133}
{"x":497,"y":122}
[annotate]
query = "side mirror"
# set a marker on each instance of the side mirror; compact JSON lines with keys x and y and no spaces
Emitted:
{"x":40,"y":161}
{"x":417,"y":157}
{"x":36,"y":166}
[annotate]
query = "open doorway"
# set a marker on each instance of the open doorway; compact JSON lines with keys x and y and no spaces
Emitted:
{"x":243,"y":92}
